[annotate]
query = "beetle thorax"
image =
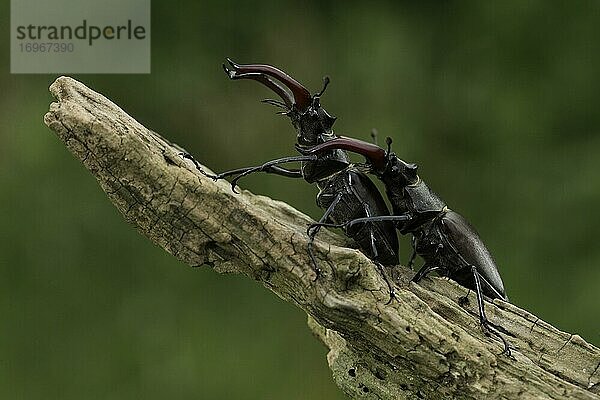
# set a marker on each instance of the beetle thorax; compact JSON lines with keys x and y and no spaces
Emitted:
{"x":314,"y":125}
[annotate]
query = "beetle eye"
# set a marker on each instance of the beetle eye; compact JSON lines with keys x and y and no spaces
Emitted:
{"x":412,"y":168}
{"x":411,"y":171}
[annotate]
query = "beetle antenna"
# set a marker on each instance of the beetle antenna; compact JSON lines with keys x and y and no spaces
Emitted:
{"x":276,"y":103}
{"x":374,"y":134}
{"x":388,"y":141}
{"x":326,"y":81}
{"x":388,"y":152}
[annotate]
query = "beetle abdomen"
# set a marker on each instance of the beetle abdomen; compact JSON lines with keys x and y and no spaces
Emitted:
{"x":360,"y":198}
{"x":465,"y":241}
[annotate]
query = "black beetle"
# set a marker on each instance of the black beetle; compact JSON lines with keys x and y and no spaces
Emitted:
{"x":345,"y":192}
{"x":444,"y":239}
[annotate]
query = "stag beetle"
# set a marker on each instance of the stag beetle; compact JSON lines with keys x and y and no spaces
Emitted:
{"x":345,"y":193}
{"x":444,"y":239}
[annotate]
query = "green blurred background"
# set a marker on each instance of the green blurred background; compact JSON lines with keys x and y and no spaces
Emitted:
{"x":497,"y":102}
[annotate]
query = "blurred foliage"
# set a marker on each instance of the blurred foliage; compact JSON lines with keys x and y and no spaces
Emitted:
{"x":497,"y":102}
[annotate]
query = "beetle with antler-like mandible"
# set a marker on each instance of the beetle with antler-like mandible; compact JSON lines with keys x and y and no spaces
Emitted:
{"x":345,"y":193}
{"x":444,"y":239}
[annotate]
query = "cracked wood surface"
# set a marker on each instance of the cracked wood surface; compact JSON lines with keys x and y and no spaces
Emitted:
{"x":425,"y":345}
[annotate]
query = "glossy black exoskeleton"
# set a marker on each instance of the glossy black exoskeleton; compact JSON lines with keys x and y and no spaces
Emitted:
{"x":345,"y":193}
{"x":444,"y":239}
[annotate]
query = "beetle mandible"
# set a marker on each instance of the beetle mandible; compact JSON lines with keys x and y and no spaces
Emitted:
{"x":345,"y":192}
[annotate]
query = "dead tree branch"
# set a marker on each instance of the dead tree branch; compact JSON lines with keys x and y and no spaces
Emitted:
{"x":425,"y":345}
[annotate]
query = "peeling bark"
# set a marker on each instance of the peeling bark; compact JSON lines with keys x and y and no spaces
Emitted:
{"x":425,"y":345}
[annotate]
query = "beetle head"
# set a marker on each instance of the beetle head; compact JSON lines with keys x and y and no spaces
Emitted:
{"x":313,"y":124}
{"x":399,"y":171}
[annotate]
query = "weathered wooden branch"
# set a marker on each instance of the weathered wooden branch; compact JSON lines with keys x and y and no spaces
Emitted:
{"x":424,"y":345}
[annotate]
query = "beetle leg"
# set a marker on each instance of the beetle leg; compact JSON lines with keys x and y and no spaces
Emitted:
{"x":263,"y":168}
{"x":414,"y":252}
{"x":388,"y":281}
{"x":382,"y":270}
{"x":489,"y":285}
{"x":188,"y":156}
{"x":317,"y":225}
{"x":364,"y":220}
{"x":313,"y":229}
{"x":487,"y":327}
{"x":273,"y":169}
{"x":425,"y":270}
{"x":290,"y":173}
{"x":464,"y":300}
